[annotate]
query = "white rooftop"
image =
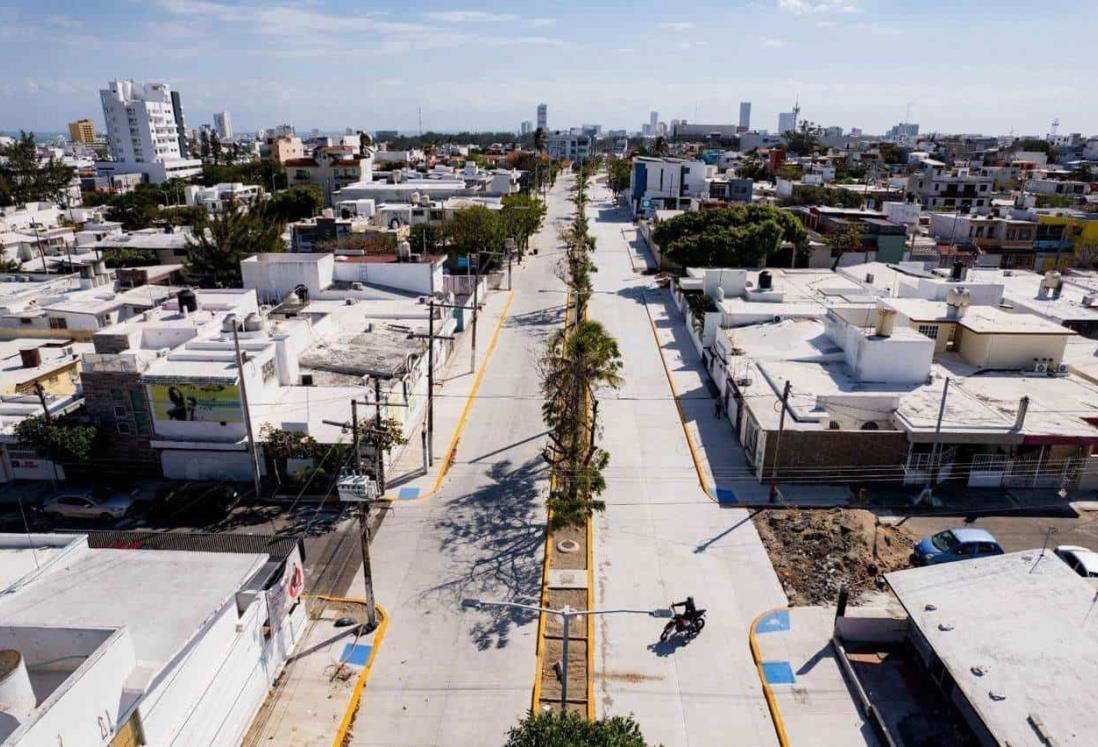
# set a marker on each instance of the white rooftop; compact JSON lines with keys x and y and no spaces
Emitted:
{"x":1028,"y":625}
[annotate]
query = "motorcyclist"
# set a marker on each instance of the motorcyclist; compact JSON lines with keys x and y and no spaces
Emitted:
{"x":689,"y":609}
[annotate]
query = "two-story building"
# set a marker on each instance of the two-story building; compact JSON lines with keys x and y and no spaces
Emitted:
{"x":330,"y":168}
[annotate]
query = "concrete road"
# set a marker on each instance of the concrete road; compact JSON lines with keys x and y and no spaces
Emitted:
{"x":446,"y":675}
{"x":661,"y":538}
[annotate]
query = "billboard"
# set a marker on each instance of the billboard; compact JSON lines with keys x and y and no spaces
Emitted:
{"x":206,"y":403}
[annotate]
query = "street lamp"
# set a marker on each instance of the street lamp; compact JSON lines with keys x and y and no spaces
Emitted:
{"x":566,"y":614}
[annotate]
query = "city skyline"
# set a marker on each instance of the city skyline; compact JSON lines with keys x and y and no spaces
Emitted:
{"x":398,"y":63}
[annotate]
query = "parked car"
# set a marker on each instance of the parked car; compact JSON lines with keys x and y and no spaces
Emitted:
{"x":1079,"y":559}
{"x":105,"y":504}
{"x":196,"y":503}
{"x":955,"y":544}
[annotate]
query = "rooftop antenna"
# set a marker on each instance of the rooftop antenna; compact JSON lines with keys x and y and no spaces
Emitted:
{"x":421,"y":121}
{"x":907,"y":113}
{"x":796,"y":111}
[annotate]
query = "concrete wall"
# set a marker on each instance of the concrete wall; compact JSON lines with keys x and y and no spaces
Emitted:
{"x":187,"y":464}
{"x":415,"y":277}
{"x":1008,"y":351}
{"x":872,"y":629}
{"x":273,"y":280}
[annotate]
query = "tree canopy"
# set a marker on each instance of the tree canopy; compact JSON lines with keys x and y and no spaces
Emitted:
{"x":25,"y":178}
{"x":735,"y":236}
{"x":814,"y":194}
{"x":296,"y":203}
{"x":222,"y":240}
{"x":618,"y":174}
{"x":568,"y":729}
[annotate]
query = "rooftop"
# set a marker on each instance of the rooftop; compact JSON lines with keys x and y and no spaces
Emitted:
{"x":1016,"y":633}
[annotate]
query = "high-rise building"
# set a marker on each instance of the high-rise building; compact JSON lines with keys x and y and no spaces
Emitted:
{"x":180,"y":123}
{"x":653,"y":120}
{"x":543,"y":117}
{"x":526,"y":127}
{"x":745,"y":115}
{"x":82,"y":131}
{"x":787,"y":121}
{"x":142,"y":131}
{"x":223,"y":123}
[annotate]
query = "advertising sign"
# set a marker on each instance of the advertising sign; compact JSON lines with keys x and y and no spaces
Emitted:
{"x":209,"y":403}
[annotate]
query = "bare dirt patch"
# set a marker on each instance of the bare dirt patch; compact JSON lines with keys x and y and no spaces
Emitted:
{"x":817,"y":551}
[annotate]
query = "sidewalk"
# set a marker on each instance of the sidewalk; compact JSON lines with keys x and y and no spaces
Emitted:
{"x":308,"y":706}
{"x":812,"y":702}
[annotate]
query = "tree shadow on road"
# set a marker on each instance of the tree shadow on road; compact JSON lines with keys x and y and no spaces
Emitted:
{"x":495,"y":538}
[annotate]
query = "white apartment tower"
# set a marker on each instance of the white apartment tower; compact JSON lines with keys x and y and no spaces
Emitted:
{"x":543,"y":117}
{"x":745,"y":115}
{"x":223,"y":123}
{"x":142,"y":130}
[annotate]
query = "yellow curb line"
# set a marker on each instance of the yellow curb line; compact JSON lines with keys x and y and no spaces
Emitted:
{"x":590,"y":621}
{"x":446,"y":459}
{"x":678,"y":405}
{"x":360,"y":684}
{"x":771,"y":701}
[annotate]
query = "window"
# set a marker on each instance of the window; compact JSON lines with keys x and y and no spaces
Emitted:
{"x":25,"y":320}
{"x":124,"y":428}
{"x":928,"y":330}
{"x":117,"y":394}
{"x":983,"y":187}
{"x":58,"y":323}
{"x":120,"y":412}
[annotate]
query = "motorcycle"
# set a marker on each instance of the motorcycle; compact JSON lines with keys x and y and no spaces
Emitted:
{"x":692,"y":625}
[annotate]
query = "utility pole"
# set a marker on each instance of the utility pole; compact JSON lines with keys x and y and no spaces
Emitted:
{"x":247,"y":413}
{"x":42,"y":398}
{"x":363,"y":512}
{"x":778,"y":442}
{"x":476,"y":307}
{"x":932,"y":473}
{"x":429,"y":447}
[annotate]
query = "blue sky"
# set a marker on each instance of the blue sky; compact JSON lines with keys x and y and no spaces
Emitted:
{"x":962,"y":65}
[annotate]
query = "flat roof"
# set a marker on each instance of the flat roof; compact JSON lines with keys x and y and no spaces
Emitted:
{"x":992,"y":320}
{"x":1018,"y":633}
{"x":162,"y":597}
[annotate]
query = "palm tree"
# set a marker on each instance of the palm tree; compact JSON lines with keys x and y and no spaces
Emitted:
{"x":539,"y":140}
{"x":661,"y":146}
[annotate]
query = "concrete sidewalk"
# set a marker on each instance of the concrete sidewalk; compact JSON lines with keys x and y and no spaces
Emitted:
{"x":308,"y":706}
{"x":814,"y":704}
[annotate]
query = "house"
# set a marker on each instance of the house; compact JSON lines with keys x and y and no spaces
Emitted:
{"x":988,"y":640}
{"x":881,"y":237}
{"x":323,"y":275}
{"x":938,"y":188}
{"x":1005,"y":241}
{"x":566,"y":146}
{"x":666,"y":183}
{"x":1065,"y":187}
{"x":172,"y":639}
{"x":164,"y":246}
{"x":283,"y":148}
{"x":331,"y":168}
{"x":218,"y":197}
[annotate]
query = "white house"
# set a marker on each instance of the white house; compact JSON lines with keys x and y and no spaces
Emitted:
{"x":141,"y":646}
{"x":666,"y":183}
{"x":216,"y":198}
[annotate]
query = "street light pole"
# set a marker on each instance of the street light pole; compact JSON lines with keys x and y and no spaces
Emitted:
{"x":566,"y":614}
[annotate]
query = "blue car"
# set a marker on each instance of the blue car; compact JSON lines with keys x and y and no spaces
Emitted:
{"x":955,"y":544}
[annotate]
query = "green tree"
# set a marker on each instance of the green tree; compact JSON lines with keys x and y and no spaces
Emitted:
{"x":25,"y":178}
{"x":804,"y":141}
{"x":55,"y":441}
{"x":222,"y":240}
{"x":660,"y":146}
{"x":296,"y":203}
{"x":618,"y":175}
{"x":569,"y":729}
{"x":1083,"y":173}
{"x":427,"y":238}
{"x":735,"y":236}
{"x":846,"y":238}
{"x":814,"y":194}
{"x":540,"y":139}
{"x":522,"y":216}
{"x":476,"y":229}
{"x":891,"y":153}
{"x":753,"y":170}
{"x":134,"y":210}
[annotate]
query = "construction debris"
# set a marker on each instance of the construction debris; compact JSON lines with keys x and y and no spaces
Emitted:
{"x":818,"y":551}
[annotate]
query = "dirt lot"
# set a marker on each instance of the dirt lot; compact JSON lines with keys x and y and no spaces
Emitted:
{"x":816,"y":552}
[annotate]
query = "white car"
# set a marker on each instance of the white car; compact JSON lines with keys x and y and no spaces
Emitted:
{"x":105,"y":505}
{"x":1079,"y":559}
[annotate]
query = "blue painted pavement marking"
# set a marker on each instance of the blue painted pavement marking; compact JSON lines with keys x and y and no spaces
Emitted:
{"x":724,"y":495}
{"x":407,"y":494}
{"x":774,"y":622}
{"x":355,"y":653}
{"x":778,"y":673}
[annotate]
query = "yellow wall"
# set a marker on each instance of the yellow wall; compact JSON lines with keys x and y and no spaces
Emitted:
{"x":60,"y":381}
{"x":1081,"y":232}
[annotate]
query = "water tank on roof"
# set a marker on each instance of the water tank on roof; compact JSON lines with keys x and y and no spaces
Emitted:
{"x":188,"y":301}
{"x":253,"y":322}
{"x":229,"y":324}
{"x":766,"y":281}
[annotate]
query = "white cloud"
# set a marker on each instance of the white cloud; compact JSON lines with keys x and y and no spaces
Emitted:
{"x":539,"y":23}
{"x":470,"y":16}
{"x":826,"y":24}
{"x":805,"y":7}
{"x":676,"y":25}
{"x":773,"y":42}
{"x":688,"y":45}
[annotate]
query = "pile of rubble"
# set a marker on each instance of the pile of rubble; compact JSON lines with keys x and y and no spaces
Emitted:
{"x":817,"y":552}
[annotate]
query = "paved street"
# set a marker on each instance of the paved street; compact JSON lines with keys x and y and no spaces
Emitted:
{"x":661,"y":538}
{"x":445,"y":675}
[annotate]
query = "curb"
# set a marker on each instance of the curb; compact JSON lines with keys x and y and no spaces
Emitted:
{"x":447,"y":458}
{"x":360,"y":684}
{"x":771,"y":701}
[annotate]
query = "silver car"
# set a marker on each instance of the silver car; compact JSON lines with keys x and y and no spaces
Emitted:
{"x":92,"y":504}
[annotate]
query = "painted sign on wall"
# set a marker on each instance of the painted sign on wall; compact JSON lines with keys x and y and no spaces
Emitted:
{"x":208,"y":403}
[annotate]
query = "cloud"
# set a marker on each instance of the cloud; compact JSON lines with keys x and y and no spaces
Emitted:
{"x":470,"y":16}
{"x":541,"y":22}
{"x":826,"y":24}
{"x":773,"y":42}
{"x":688,"y":45}
{"x":806,"y":7}
{"x":675,"y":25}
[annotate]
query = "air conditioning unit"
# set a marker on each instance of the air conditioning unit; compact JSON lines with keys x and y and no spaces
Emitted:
{"x":1041,"y":368}
{"x":1062,"y":368}
{"x":745,"y":381}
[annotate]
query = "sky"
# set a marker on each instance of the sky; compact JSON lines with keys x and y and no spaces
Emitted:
{"x":956,"y":65}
